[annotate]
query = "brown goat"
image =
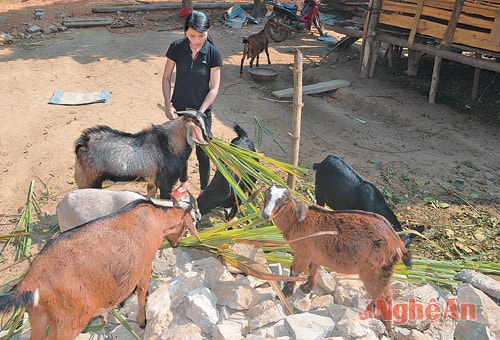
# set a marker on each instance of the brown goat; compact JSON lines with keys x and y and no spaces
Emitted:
{"x":254,"y":45}
{"x":87,"y":270}
{"x":364,"y":244}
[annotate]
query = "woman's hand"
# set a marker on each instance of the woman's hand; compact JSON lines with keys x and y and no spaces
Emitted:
{"x":170,"y":112}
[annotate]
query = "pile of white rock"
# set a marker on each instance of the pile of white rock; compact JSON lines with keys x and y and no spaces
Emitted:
{"x":195,"y":296}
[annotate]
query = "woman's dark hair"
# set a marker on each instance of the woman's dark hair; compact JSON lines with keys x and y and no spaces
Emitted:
{"x":199,"y":22}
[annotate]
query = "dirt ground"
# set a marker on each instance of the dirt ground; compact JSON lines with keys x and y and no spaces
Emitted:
{"x":386,"y":130}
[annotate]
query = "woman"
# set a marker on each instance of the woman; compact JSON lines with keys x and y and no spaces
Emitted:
{"x":198,"y":66}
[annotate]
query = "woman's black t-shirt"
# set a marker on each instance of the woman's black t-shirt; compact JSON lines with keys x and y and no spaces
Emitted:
{"x":192,"y":80}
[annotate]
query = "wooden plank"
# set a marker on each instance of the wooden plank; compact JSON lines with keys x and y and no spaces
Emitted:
{"x":436,"y":30}
{"x":476,"y":8}
{"x":313,"y":88}
{"x":437,"y":13}
{"x":87,"y":22}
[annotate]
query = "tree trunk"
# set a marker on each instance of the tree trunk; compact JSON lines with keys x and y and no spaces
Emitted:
{"x":259,"y":9}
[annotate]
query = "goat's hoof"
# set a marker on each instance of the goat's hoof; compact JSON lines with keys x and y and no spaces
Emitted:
{"x":306,"y":288}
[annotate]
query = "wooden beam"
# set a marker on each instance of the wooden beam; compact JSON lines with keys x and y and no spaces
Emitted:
{"x":87,"y":22}
{"x":452,"y":23}
{"x":348,"y":31}
{"x":163,"y":6}
{"x":418,"y":13}
{"x":445,"y":54}
{"x":313,"y":88}
{"x":495,"y":31}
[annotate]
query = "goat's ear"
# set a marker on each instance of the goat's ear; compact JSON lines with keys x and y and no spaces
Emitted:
{"x":193,"y":202}
{"x":175,"y":201}
{"x":301,"y":209}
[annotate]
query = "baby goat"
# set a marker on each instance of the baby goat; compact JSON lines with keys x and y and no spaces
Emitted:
{"x":87,"y":270}
{"x":155,"y":154}
{"x":364,"y":243}
{"x":84,"y":205}
{"x":254,"y":45}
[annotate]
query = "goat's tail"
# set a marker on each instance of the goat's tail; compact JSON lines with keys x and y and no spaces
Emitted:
{"x":14,"y":299}
{"x":315,"y":166}
{"x":245,"y":41}
{"x":239,"y":130}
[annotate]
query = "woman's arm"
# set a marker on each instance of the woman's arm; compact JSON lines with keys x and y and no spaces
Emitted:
{"x":166,"y":86}
{"x":214,"y":88}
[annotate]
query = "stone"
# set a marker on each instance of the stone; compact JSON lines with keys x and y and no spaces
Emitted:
{"x":227,"y":330}
{"x":265,"y":312}
{"x":469,"y":329}
{"x":235,"y":296}
{"x":485,"y":310}
{"x":201,"y":309}
{"x":480,"y":281}
{"x":326,"y":281}
{"x":309,"y":326}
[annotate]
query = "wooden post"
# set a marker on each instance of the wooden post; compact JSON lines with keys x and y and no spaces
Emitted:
{"x":413,"y":62}
{"x":368,"y":37}
{"x":296,"y":115}
{"x":390,"y":55}
{"x":435,"y":79}
{"x":475,"y":82}
{"x":373,"y":60}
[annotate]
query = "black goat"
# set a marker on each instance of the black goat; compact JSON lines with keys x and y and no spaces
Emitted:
{"x":219,"y":192}
{"x":155,"y":155}
{"x":340,"y":187}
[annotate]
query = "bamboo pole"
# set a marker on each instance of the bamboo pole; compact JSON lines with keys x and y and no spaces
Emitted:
{"x":296,"y":115}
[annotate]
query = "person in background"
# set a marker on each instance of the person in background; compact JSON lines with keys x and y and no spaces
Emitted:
{"x":198,"y":68}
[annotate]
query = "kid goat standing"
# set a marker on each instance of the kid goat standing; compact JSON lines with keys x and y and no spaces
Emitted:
{"x":364,"y":242}
{"x":254,"y":45}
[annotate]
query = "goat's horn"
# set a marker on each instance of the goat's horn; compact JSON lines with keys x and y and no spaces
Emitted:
{"x":190,"y":113}
{"x":251,"y":198}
